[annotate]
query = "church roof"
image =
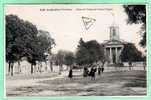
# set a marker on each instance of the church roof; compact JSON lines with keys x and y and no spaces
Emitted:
{"x":114,"y":42}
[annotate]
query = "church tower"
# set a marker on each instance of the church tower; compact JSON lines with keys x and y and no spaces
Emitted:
{"x":114,"y":46}
{"x":114,"y":32}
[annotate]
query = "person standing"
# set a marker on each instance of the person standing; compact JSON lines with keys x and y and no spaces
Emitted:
{"x":92,"y":73}
{"x":99,"y":70}
{"x":85,"y":72}
{"x":130,"y":65}
{"x":102,"y":69}
{"x":70,"y":73}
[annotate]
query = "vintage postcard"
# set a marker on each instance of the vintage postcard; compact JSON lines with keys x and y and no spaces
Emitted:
{"x":95,"y":50}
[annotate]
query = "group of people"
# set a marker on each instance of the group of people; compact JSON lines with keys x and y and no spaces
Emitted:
{"x":87,"y":73}
{"x":92,"y":71}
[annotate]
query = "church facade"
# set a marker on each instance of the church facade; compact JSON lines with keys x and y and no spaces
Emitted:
{"x":114,"y":46}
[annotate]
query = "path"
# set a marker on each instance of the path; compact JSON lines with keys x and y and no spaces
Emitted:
{"x":131,"y":83}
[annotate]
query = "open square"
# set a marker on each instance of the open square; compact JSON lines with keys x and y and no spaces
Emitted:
{"x":75,"y":50}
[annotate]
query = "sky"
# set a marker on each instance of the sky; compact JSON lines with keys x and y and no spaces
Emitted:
{"x":65,"y":25}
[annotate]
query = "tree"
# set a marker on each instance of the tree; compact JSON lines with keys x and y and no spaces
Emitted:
{"x":19,"y":33}
{"x":35,"y":52}
{"x":69,"y":59}
{"x":82,"y":54}
{"x":50,"y":40}
{"x":130,"y":53}
{"x":102,"y":56}
{"x":60,"y":59}
{"x":49,"y":43}
{"x":24,"y":40}
{"x":30,"y":43}
{"x":90,"y":52}
{"x":40,"y":46}
{"x":52,"y":60}
{"x":137,"y":15}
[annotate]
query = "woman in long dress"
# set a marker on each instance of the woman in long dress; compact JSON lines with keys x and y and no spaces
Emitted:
{"x":70,"y":73}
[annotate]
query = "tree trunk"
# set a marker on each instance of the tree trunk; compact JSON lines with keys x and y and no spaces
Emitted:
{"x":46,"y":66}
{"x":51,"y":67}
{"x":144,"y":67}
{"x":60,"y":69}
{"x":32,"y":69}
{"x":9,"y":66}
{"x":19,"y":67}
{"x":40,"y":67}
{"x":38,"y":70}
{"x":12,"y":65}
{"x":67,"y":67}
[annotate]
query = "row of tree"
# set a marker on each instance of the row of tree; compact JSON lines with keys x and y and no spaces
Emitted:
{"x":91,"y":52}
{"x":24,"y":40}
{"x":87,"y":54}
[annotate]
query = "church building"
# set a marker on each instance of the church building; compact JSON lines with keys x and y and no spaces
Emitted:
{"x":114,"y":46}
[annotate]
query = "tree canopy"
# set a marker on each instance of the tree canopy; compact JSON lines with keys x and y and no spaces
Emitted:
{"x":49,"y":42}
{"x":19,"y":35}
{"x":89,"y":52}
{"x":131,"y":53}
{"x":24,"y":40}
{"x":69,"y":58}
{"x":137,"y":15}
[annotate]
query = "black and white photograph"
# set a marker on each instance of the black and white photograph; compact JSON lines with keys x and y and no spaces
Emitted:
{"x":75,"y":50}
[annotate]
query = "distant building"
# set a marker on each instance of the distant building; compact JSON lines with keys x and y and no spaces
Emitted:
{"x":114,"y":46}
